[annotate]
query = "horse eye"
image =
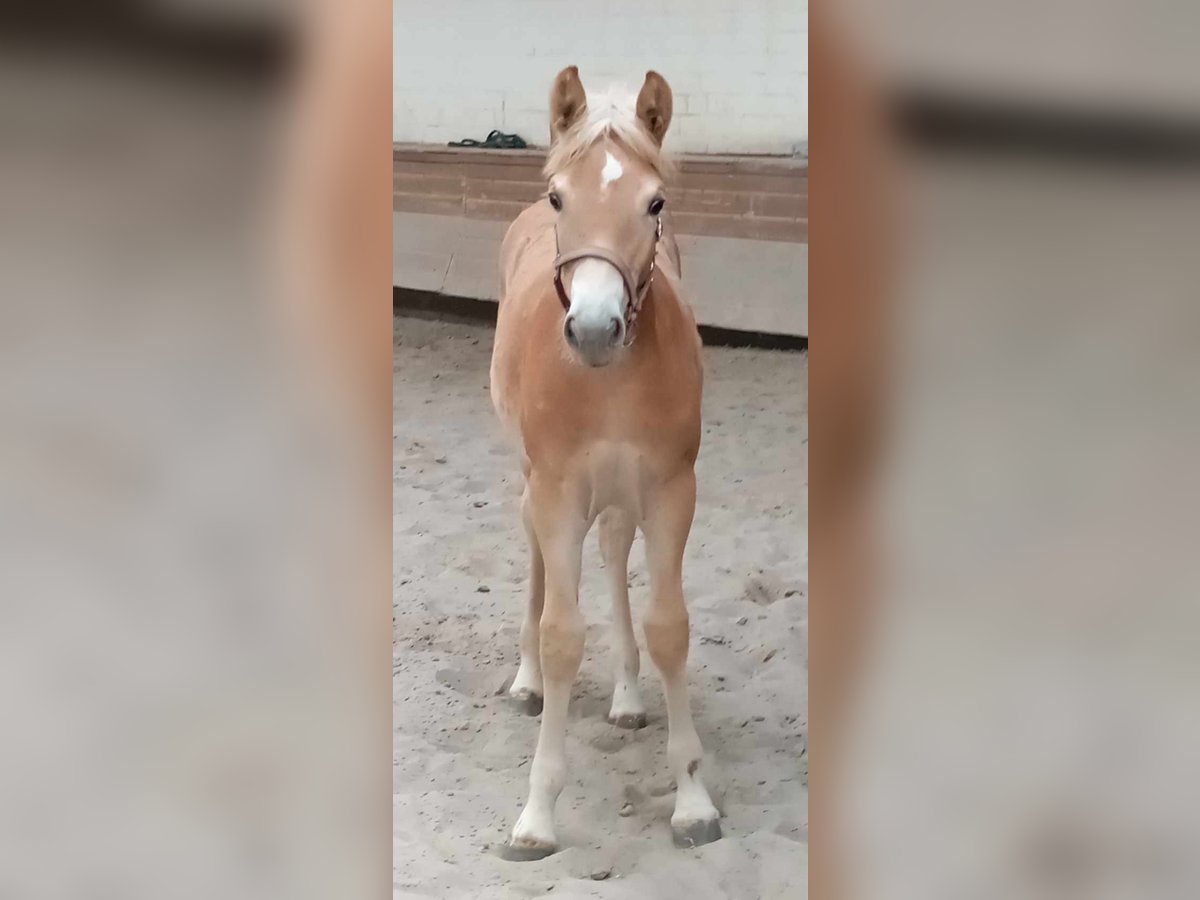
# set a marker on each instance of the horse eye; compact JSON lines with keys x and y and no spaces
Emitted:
{"x":555,"y":200}
{"x":656,"y":205}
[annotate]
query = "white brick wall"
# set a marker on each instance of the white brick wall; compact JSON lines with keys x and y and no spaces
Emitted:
{"x":738,"y":68}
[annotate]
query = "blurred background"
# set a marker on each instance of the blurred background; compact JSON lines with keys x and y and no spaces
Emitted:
{"x":192,"y":515}
{"x":1003,"y":698}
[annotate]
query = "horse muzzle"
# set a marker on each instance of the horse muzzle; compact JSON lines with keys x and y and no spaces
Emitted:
{"x":594,"y":337}
{"x":597,"y":325}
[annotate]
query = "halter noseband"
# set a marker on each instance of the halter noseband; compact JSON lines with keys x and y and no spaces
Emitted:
{"x":635,"y":294}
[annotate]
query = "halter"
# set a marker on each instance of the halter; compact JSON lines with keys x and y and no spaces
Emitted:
{"x":636,"y":295}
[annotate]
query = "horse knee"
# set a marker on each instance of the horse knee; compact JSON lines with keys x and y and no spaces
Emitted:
{"x":666,"y":628}
{"x":561,"y":643}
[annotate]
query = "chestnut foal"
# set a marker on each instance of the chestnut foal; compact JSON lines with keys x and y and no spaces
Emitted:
{"x":597,"y":372}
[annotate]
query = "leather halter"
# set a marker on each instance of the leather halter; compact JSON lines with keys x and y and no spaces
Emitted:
{"x":635,"y":294}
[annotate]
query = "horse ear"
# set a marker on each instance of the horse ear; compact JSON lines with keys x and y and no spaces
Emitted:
{"x":654,"y":105}
{"x":567,"y":101}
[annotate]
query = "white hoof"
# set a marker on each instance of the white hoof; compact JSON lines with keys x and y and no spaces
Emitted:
{"x":627,"y":710}
{"x":532,"y":837}
{"x":696,"y":834}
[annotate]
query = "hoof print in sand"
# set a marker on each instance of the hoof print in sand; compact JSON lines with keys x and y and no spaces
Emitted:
{"x":527,"y":702}
{"x":696,"y":834}
{"x":628,"y":721}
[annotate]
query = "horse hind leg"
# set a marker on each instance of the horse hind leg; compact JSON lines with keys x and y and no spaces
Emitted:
{"x":526,"y":688}
{"x":616,"y":537}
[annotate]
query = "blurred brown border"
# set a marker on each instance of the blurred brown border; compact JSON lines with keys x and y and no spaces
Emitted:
{"x":848,"y":278}
{"x":337,"y":204}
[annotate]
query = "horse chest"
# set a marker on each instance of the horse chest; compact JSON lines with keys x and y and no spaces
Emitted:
{"x":612,"y":473}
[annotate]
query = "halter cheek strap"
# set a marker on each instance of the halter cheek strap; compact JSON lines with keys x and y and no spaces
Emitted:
{"x":635,"y":294}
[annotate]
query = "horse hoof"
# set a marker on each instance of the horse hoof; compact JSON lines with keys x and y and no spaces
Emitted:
{"x":697,"y":833}
{"x":628,"y":720}
{"x":527,"y":702}
{"x":526,"y":852}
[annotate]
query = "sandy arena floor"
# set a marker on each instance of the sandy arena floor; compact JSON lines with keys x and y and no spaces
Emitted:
{"x":461,"y":753}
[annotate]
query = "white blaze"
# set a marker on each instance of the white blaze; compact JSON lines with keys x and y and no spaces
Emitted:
{"x":597,"y":296}
{"x":612,"y":170}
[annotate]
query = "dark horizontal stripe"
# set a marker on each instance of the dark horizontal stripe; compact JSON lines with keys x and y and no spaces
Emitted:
{"x":935,"y":120}
{"x":208,"y":44}
{"x":446,"y":307}
{"x":534,"y":157}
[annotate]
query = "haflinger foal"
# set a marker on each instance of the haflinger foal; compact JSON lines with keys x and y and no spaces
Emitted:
{"x":597,"y":373}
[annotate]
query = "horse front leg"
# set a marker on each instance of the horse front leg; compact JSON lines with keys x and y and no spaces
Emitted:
{"x":526,"y":688}
{"x":560,"y":529}
{"x":668,"y":521}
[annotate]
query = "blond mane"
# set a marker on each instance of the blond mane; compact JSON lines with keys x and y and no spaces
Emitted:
{"x":611,"y":113}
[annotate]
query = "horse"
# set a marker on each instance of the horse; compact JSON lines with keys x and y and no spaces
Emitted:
{"x":597,"y":373}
